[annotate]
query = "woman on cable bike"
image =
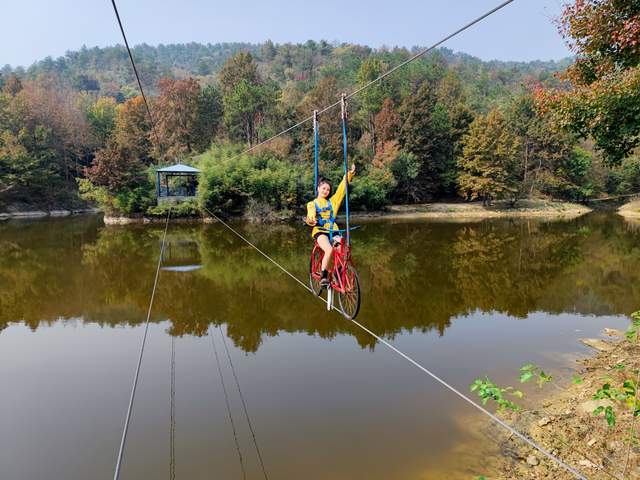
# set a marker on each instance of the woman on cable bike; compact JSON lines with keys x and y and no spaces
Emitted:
{"x":321,"y":214}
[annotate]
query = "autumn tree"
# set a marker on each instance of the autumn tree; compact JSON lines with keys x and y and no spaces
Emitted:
{"x":489,"y":166}
{"x":387,"y":122}
{"x":604,"y":99}
{"x":55,"y":107}
{"x":186,"y":116}
{"x":27,"y":163}
{"x":133,"y":129}
{"x":326,"y":92}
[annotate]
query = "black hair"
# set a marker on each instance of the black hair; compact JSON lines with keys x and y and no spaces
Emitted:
{"x":324,"y":180}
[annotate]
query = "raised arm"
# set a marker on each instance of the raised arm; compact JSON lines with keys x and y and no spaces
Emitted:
{"x":336,"y":199}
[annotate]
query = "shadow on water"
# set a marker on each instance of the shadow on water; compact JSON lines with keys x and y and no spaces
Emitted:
{"x":415,"y":275}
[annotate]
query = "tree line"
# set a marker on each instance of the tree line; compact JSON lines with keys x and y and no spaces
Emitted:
{"x":445,"y":126}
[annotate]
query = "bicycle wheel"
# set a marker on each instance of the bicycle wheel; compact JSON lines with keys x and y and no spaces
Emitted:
{"x":349,"y":300}
{"x":314,"y":276}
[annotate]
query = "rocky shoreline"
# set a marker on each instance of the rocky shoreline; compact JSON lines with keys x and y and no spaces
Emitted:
{"x":35,"y":214}
{"x":565,"y":423}
{"x":443,"y":211}
{"x":630,"y":210}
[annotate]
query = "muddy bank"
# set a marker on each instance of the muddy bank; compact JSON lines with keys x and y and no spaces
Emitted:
{"x":108,"y":220}
{"x":565,"y":423}
{"x":448,"y":211}
{"x":630,"y":210}
{"x":27,"y":214}
{"x":476,"y":210}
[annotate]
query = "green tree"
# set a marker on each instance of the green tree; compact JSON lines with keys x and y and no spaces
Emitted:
{"x":489,"y":159}
{"x":425,"y":132}
{"x":546,"y":153}
{"x":102,"y":118}
{"x":208,"y":117}
{"x":239,"y":67}
{"x":372,"y":98}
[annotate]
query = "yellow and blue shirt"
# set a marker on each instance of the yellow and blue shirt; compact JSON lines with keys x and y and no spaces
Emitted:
{"x":336,"y":200}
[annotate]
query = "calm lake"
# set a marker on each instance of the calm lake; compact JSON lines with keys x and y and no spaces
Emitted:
{"x":325,"y":400}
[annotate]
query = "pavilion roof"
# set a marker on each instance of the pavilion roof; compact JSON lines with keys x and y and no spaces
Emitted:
{"x":178,"y":168}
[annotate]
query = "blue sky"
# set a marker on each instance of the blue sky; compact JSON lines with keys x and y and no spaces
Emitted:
{"x":33,"y":29}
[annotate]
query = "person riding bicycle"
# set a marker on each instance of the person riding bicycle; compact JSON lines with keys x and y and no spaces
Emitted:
{"x":321,"y":214}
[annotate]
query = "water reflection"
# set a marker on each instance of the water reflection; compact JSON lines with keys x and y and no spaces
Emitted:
{"x":414,"y":275}
{"x":180,"y":254}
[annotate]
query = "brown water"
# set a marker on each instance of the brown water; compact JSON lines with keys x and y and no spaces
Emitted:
{"x":325,"y":401}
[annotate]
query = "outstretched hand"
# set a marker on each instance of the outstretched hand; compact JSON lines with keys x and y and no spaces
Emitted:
{"x":353,"y":169}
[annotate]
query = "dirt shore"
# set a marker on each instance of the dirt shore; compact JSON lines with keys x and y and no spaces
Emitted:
{"x":476,"y":210}
{"x":444,"y":211}
{"x":29,"y":214}
{"x":630,"y":210}
{"x":566,"y":425}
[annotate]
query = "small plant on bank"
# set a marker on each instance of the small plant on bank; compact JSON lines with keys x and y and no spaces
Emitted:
{"x":624,"y":396}
{"x":530,"y":371}
{"x":487,"y":390}
{"x":634,"y":328}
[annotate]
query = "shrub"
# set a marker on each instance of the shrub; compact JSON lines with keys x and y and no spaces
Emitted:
{"x":186,"y":208}
{"x":229,"y":179}
{"x":371,"y":190}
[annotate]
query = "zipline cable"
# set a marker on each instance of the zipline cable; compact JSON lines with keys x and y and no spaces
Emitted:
{"x":421,"y":53}
{"x":457,"y":392}
{"x":226,"y":401}
{"x":244,"y":406}
{"x":125,"y":429}
{"x":135,"y":71}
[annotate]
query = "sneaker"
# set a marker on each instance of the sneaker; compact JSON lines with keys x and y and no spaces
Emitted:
{"x":324,"y":281}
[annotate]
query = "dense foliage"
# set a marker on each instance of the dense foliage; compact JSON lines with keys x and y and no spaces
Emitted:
{"x":603,"y":100}
{"x":446,"y":125}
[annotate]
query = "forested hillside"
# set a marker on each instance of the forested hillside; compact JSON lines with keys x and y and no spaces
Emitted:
{"x":108,"y":71}
{"x":448,"y":125}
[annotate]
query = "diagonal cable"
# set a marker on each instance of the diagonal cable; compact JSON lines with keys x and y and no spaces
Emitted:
{"x":454,"y":390}
{"x":135,"y":71}
{"x":418,"y":55}
{"x":226,"y":401}
{"x":244,"y":406}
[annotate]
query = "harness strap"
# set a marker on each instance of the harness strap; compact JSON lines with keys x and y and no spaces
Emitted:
{"x":323,"y":221}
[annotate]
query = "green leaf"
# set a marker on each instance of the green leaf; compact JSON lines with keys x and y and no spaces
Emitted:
{"x":526,"y":376}
{"x":610,"y":416}
{"x":577,"y":380}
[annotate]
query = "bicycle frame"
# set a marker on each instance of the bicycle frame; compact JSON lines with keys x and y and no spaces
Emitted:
{"x":341,"y":259}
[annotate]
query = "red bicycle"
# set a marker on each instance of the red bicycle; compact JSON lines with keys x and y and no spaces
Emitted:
{"x":343,"y":278}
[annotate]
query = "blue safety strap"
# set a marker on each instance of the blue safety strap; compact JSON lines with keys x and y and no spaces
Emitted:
{"x":346,"y":172}
{"x":316,"y":139}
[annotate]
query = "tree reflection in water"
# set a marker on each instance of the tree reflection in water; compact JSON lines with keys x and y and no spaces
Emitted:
{"x":415,"y":275}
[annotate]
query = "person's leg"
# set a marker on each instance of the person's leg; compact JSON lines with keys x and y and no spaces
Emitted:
{"x":325,"y":245}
